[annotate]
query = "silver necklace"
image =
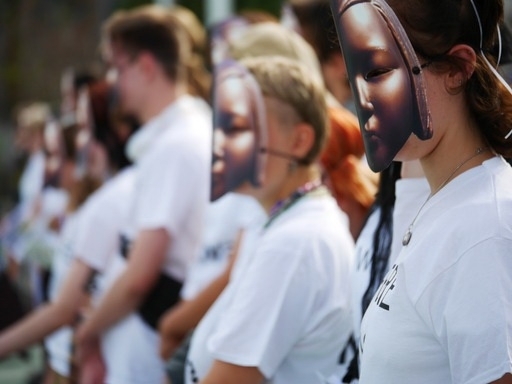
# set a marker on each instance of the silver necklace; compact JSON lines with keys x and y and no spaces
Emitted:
{"x":407,"y":237}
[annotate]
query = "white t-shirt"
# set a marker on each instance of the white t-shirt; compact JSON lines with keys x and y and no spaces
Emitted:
{"x":173,"y":156}
{"x":286,"y":309}
{"x":172,"y":187}
{"x":104,"y":215}
{"x":225,"y":218}
{"x":31,"y":183}
{"x":58,"y":344}
{"x":443,"y":313}
{"x":410,"y":194}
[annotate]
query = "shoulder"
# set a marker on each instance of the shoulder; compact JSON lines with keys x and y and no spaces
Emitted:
{"x":314,"y":226}
{"x":113,"y":194}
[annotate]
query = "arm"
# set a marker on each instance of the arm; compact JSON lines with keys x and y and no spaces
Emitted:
{"x":225,"y":373}
{"x":507,"y":379}
{"x":183,"y":317}
{"x":51,"y":316}
{"x":127,"y":293}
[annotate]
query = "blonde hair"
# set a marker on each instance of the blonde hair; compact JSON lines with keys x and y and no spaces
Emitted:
{"x":33,"y":116}
{"x":198,"y":76}
{"x":291,"y":83}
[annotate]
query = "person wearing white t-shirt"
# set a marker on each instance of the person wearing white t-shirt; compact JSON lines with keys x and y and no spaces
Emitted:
{"x":286,"y":309}
{"x":226,"y":217}
{"x":443,"y":313}
{"x":401,"y":187}
{"x":85,"y":245}
{"x":227,"y":220}
{"x":172,"y":154}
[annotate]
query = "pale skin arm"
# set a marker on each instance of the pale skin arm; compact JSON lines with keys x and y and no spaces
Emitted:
{"x":225,"y":373}
{"x":182,"y":318}
{"x":127,"y":293}
{"x":51,"y":316}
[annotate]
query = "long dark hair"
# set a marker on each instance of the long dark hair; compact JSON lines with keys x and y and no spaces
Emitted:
{"x":383,"y":235}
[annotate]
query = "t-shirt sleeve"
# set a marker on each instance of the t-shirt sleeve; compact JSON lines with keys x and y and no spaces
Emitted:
{"x":170,"y":185}
{"x":470,"y":307}
{"x":269,"y":310}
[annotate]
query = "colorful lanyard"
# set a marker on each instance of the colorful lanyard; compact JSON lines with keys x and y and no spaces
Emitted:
{"x":283,"y":205}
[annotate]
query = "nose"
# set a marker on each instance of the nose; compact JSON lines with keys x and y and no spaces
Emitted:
{"x":363,"y":99}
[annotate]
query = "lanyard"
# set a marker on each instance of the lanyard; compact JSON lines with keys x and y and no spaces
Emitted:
{"x":283,"y":205}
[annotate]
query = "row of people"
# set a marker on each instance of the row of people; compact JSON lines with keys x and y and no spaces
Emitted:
{"x":280,"y":309}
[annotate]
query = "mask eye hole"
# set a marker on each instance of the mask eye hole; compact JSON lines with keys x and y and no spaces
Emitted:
{"x":374,"y":73}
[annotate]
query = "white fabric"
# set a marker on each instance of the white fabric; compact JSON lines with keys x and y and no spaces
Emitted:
{"x":37,"y":240}
{"x":444,"y":311}
{"x":58,"y":344}
{"x":225,"y":218}
{"x":173,"y":157}
{"x":130,"y":348}
{"x":410,"y":194}
{"x":172,"y":186}
{"x":31,"y":182}
{"x":104,"y":215}
{"x":286,"y":309}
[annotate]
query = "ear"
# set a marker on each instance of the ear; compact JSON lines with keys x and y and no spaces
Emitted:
{"x":468,"y":57}
{"x":303,"y":140}
{"x":148,"y":64}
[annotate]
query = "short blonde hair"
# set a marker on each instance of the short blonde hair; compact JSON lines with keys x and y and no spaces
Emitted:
{"x":291,"y":83}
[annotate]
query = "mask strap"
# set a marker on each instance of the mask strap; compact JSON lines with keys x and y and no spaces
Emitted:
{"x":493,"y":70}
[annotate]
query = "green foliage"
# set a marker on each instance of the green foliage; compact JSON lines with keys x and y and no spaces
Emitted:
{"x":127,"y":4}
{"x":271,"y":6}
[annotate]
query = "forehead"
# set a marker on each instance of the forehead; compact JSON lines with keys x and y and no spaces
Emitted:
{"x":233,"y":94}
{"x":363,"y":23}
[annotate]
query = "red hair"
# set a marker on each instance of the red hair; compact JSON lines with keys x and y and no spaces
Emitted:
{"x":341,"y":160}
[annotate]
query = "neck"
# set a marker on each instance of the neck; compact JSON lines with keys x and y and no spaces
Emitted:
{"x":296,"y":179}
{"x":160,"y":98}
{"x":454,"y":155}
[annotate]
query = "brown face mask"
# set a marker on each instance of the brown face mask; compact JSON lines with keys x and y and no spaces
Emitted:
{"x":385,"y":76}
{"x":239,"y":130}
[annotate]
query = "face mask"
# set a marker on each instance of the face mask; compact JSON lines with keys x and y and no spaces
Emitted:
{"x":239,"y":130}
{"x":385,"y":76}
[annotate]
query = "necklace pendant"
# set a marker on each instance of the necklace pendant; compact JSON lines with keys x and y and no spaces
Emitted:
{"x":407,"y":237}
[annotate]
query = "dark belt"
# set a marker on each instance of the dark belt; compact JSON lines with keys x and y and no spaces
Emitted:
{"x":162,"y":296}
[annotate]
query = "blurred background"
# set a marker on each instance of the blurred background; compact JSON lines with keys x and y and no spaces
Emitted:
{"x":40,"y":39}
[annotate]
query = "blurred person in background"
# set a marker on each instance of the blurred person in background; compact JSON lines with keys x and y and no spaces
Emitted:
{"x":148,"y":49}
{"x":347,"y":176}
{"x":316,"y":25}
{"x":280,"y":331}
{"x":86,"y":230}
